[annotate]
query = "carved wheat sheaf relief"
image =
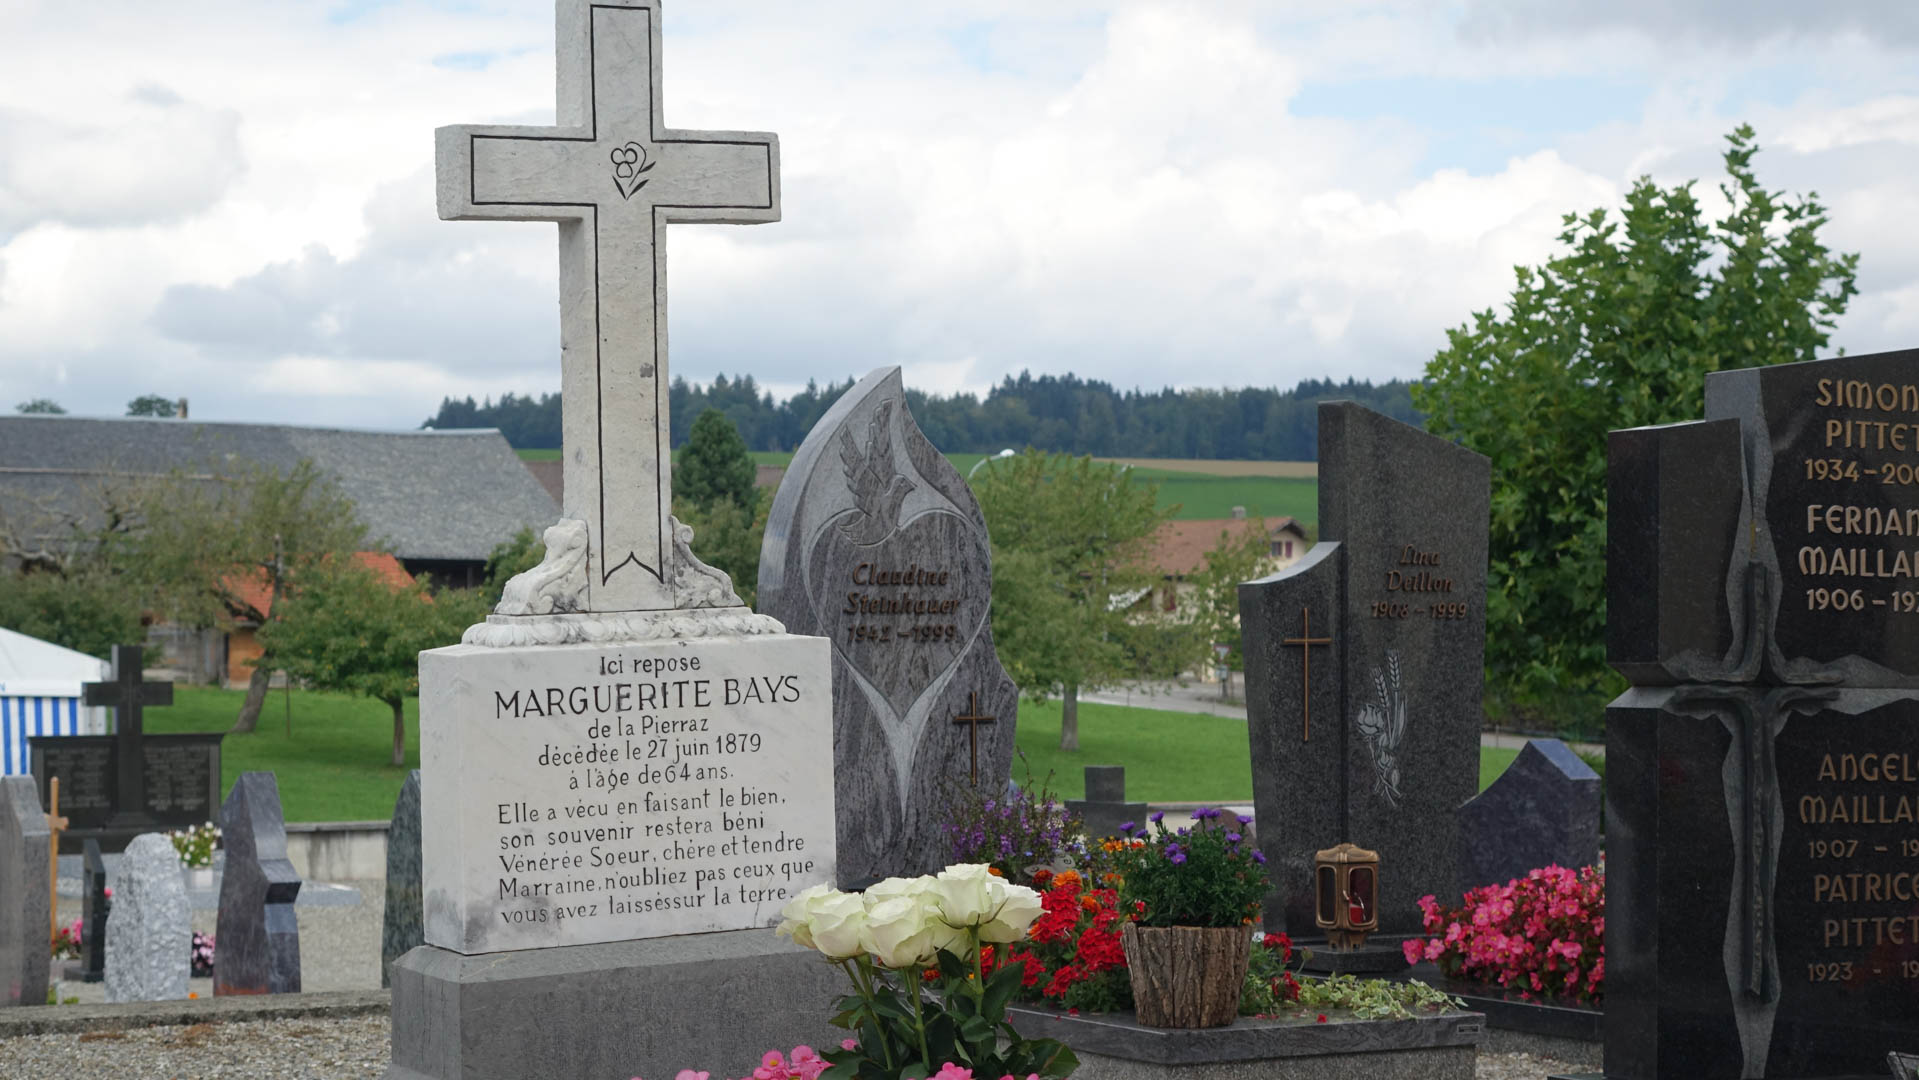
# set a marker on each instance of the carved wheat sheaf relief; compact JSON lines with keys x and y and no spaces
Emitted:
{"x":1382,"y":723}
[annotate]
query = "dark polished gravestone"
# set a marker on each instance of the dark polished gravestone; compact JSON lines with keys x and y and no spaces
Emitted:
{"x":1762,"y":776}
{"x":258,"y":934}
{"x":1104,"y":809}
{"x":404,"y":924}
{"x":1363,"y":668}
{"x":115,"y":787}
{"x":24,"y":919}
{"x":1542,"y":811}
{"x":875,"y":542}
{"x":95,"y":908}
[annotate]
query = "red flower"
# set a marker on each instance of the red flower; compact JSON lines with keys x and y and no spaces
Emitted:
{"x":1321,"y":1020}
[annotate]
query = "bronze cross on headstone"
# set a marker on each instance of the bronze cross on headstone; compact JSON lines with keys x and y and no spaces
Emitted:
{"x":127,"y":694}
{"x":1306,"y":641}
{"x":972,"y":721}
{"x":55,"y":826}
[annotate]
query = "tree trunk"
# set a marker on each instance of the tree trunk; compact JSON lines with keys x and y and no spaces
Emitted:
{"x":256,"y":698}
{"x":1069,"y":718}
{"x":399,"y":730}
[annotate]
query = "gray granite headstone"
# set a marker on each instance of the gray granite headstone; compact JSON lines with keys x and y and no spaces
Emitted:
{"x":1105,"y":809}
{"x":150,"y":937}
{"x":1364,"y":662}
{"x":258,"y":934}
{"x":1762,"y":773}
{"x":1542,"y":811}
{"x":404,"y":926}
{"x":24,"y":838}
{"x":875,"y":542}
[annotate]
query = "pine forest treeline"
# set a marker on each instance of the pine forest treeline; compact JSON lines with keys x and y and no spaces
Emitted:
{"x":1050,"y":412}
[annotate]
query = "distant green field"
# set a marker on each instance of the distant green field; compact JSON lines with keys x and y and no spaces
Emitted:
{"x":1199,"y":496}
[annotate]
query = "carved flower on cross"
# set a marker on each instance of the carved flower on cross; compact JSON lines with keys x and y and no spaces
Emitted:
{"x":629,"y":166}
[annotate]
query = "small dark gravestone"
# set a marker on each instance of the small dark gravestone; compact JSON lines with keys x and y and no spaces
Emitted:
{"x":876,"y":543}
{"x":404,"y":926}
{"x":24,"y":839}
{"x":1105,"y":809}
{"x":258,"y":935}
{"x":95,"y":907}
{"x":1363,"y":668}
{"x":1762,"y":774}
{"x":1542,"y":811}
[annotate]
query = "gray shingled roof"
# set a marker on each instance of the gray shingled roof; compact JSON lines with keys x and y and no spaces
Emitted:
{"x":426,"y":494}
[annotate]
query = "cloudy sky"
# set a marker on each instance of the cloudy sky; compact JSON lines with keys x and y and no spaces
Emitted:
{"x":232,"y":202}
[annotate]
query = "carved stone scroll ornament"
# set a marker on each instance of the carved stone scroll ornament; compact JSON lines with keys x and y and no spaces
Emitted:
{"x":558,"y":583}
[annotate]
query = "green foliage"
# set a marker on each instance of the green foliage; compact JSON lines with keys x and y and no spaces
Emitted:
{"x":727,"y":535}
{"x":152,"y":405}
{"x":1374,"y":999}
{"x":714,"y":466}
{"x":351,"y":630}
{"x":900,"y":1035}
{"x":1068,"y":535}
{"x":1234,"y":559}
{"x":1204,"y":875}
{"x":88,"y":610}
{"x":40,"y":405}
{"x":1618,"y":331}
{"x":511,"y":557}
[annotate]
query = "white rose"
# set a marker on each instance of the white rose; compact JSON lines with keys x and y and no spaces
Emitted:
{"x":1019,"y":909}
{"x":836,"y":923}
{"x":895,"y":887}
{"x":796,"y":917}
{"x":906,"y":931}
{"x":966,"y":893}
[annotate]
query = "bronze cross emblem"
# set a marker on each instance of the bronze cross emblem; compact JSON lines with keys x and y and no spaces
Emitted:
{"x":1306,"y":641}
{"x":55,"y":826}
{"x":972,"y":721}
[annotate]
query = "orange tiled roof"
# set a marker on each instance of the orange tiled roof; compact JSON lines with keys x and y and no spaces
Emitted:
{"x":252,"y":591}
{"x":1180,"y":547}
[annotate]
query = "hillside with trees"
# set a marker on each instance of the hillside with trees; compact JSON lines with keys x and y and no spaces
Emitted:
{"x":1054,"y":413}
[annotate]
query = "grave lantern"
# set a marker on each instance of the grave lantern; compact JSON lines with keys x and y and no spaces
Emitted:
{"x":1346,"y":891}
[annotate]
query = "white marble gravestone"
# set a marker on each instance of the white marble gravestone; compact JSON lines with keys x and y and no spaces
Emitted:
{"x":623,"y":755}
{"x":150,"y":937}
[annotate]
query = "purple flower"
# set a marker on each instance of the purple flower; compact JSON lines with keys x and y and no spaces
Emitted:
{"x":1199,"y":814}
{"x":1243,"y":819}
{"x":1259,"y":857}
{"x":1233,"y":838}
{"x":1177,"y":857}
{"x":1127,"y":827}
{"x":1157,"y":816}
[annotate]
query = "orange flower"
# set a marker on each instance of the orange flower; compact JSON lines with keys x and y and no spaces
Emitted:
{"x":1066,"y":877}
{"x":193,"y":994}
{"x":995,"y":871}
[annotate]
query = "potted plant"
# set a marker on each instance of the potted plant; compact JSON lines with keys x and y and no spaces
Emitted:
{"x":1191,"y":897}
{"x":195,"y":845}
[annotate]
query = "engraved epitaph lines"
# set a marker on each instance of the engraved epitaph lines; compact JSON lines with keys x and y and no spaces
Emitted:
{"x":1306,"y":641}
{"x":612,"y":255}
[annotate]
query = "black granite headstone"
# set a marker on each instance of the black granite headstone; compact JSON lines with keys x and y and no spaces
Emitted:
{"x":404,"y":925}
{"x":1762,"y":777}
{"x":875,"y":542}
{"x":24,"y":839}
{"x":1363,"y":668}
{"x":115,"y":787}
{"x":258,"y":934}
{"x":95,"y":908}
{"x":1542,"y":811}
{"x":1105,"y":809}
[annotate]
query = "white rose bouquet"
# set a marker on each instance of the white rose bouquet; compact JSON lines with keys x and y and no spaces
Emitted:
{"x":904,"y":932}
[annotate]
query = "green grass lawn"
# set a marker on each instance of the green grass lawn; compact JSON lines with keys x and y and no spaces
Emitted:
{"x":334,"y":767}
{"x":1169,"y":756}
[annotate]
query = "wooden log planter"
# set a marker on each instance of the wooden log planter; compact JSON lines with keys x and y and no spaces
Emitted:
{"x":1186,"y":976}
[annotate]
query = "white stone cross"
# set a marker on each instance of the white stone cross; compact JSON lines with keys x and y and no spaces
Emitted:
{"x":613,"y":176}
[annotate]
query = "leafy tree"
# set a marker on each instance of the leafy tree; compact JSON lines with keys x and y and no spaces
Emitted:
{"x":237,"y":545}
{"x":511,"y":557}
{"x":1617,"y":331}
{"x":43,"y":406}
{"x":1238,"y":556}
{"x":88,"y":610}
{"x":1069,"y":536}
{"x":152,"y":405}
{"x":351,"y":630}
{"x":727,"y":536}
{"x":714,"y":465}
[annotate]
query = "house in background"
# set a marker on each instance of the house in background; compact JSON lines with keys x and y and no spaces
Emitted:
{"x":1179,"y":550}
{"x":439,"y":501}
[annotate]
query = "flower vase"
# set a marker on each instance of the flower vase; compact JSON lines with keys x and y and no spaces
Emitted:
{"x":1186,"y":976}
{"x":199,"y":878}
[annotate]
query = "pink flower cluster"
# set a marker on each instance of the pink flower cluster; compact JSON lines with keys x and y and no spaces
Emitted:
{"x":1543,"y":935}
{"x":805,"y":1063}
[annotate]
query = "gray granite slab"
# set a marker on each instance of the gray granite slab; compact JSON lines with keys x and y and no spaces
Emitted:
{"x":1104,"y":809}
{"x":258,"y":935}
{"x":404,"y":925}
{"x":1119,"y":1035}
{"x":1388,"y":609}
{"x":1542,"y":811}
{"x":875,"y":542}
{"x":24,"y":881}
{"x":150,"y":937}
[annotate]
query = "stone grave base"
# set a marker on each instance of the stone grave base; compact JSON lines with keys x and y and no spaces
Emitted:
{"x":1372,"y":958}
{"x":709,"y":1002}
{"x":1441,"y":1046}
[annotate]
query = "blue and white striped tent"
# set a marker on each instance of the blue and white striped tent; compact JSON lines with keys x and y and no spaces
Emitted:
{"x":40,"y":695}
